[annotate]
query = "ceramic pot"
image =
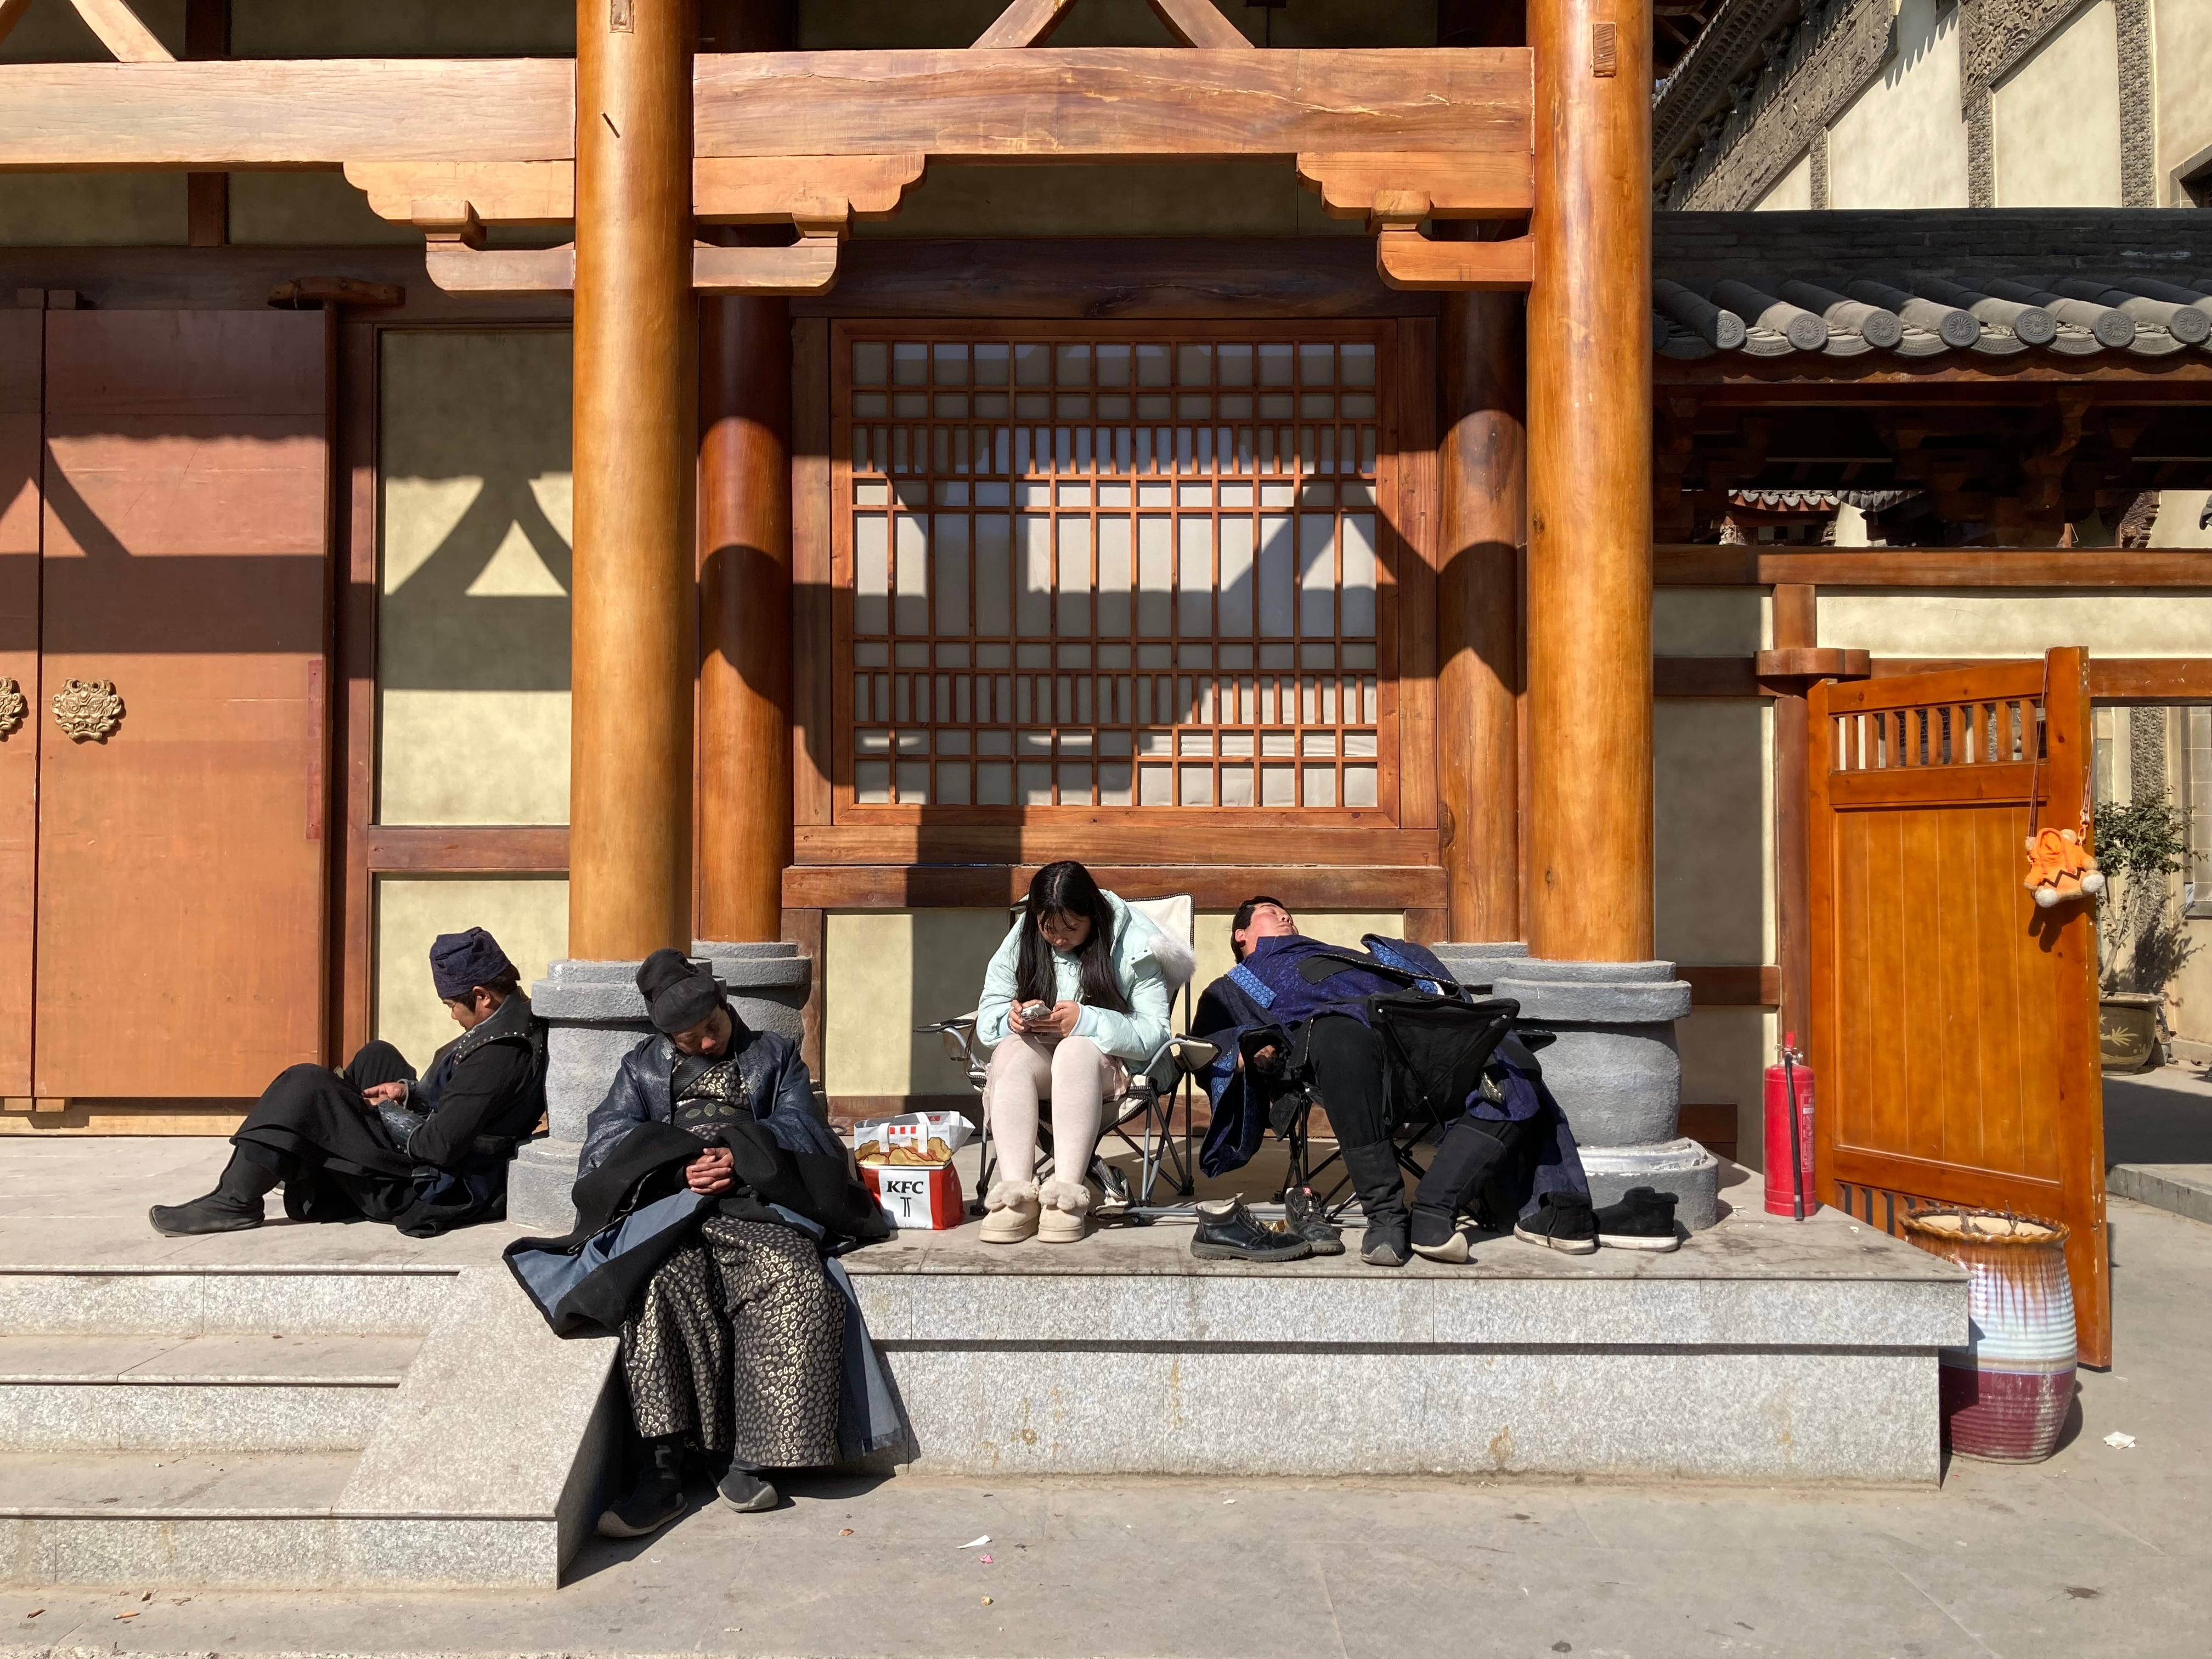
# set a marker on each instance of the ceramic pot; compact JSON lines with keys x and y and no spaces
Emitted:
{"x":2005,"y":1394}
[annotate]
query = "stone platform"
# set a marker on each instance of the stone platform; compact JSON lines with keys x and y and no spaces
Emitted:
{"x":342,"y":1406}
{"x":1762,"y":1350}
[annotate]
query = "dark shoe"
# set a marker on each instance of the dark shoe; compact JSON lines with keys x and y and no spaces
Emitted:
{"x":746,"y":1491}
{"x":1303,"y":1214}
{"x":1561,"y":1223}
{"x":1470,"y":1150}
{"x":1381,"y":1189}
{"x":656,"y":1500}
{"x":215,"y":1213}
{"x":1232,"y":1233}
{"x":1643,"y":1220}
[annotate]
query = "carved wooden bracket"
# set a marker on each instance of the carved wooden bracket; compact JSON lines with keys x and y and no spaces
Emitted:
{"x":1406,"y":260}
{"x":1478,"y":186}
{"x":725,"y":190}
{"x":1797,"y":665}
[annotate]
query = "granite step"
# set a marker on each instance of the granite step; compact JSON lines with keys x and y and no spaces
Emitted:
{"x":228,"y":1392}
{"x":337,"y":1300}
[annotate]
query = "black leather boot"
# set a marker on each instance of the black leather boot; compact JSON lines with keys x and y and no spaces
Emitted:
{"x":233,"y":1206}
{"x":1381,"y":1189}
{"x":1470,"y":1150}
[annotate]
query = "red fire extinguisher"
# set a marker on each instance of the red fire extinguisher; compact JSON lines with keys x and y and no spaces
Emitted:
{"x":1790,"y":1189}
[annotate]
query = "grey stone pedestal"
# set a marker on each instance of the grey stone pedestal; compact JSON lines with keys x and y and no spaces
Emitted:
{"x":1614,"y":1070}
{"x":596,"y":1016}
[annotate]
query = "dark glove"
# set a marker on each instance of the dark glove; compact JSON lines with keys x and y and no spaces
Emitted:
{"x":399,"y":1122}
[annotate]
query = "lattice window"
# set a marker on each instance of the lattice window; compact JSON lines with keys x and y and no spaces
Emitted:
{"x":1114,"y":570}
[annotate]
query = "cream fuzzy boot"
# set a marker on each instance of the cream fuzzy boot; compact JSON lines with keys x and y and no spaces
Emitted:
{"x":1066,"y":1204}
{"x":1013,"y":1212}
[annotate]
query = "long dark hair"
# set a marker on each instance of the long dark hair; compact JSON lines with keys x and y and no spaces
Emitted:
{"x":1066,"y":888}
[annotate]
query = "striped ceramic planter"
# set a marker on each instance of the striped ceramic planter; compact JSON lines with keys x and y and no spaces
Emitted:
{"x":2006,"y":1393}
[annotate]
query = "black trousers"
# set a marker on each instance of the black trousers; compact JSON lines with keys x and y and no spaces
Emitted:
{"x":311,"y":1120}
{"x":1347,"y":1061}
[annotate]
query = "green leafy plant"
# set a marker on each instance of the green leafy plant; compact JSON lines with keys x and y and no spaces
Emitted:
{"x":2147,"y":836}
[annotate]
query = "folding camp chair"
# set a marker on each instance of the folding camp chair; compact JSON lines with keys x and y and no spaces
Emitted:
{"x":1141,"y":1117}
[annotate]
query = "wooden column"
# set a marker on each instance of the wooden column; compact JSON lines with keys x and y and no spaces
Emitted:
{"x":1482,"y":483}
{"x":634,"y":639}
{"x":745,"y":574}
{"x":1795,"y":625}
{"x":207,"y":198}
{"x":1589,"y":485}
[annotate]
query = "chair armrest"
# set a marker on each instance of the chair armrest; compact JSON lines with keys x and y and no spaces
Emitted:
{"x":961,"y":1022}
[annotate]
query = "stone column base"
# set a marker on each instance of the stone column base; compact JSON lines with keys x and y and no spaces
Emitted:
{"x":1614,"y":1070}
{"x":595,"y":1016}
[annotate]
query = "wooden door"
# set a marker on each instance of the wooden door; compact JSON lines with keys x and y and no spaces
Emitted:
{"x":1954,"y":1023}
{"x":181,"y":866}
{"x":22,"y":335}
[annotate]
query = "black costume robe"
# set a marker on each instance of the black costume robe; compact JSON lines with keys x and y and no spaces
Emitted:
{"x":437,"y":1162}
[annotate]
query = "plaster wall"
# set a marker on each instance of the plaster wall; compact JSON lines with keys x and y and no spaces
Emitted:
{"x":1710,"y":622}
{"x":2181,"y":45}
{"x":1792,"y":193}
{"x":889,"y":970}
{"x":472,"y":641}
{"x":2016,"y":623}
{"x":2180,"y":522}
{"x":528,"y":917}
{"x":2055,"y":120}
{"x":1902,"y":143}
{"x":308,"y":209}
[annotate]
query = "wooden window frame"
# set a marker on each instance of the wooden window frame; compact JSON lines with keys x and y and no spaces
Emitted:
{"x":1401,"y":648}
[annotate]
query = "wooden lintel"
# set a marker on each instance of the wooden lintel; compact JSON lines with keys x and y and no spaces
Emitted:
{"x":275,"y":112}
{"x":1408,"y":259}
{"x":807,"y":266}
{"x":1489,"y":187}
{"x":1933,"y":567}
{"x":924,"y":886}
{"x":468,"y":849}
{"x":1086,"y":104}
{"x":1098,"y":103}
{"x":1806,"y":662}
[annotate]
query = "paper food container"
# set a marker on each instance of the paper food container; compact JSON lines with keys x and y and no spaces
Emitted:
{"x":917,"y":1195}
{"x":911,"y":1140}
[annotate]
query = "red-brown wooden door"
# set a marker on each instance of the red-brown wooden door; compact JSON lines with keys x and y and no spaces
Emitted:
{"x":185,"y":558}
{"x":1955,"y":1024}
{"x":22,"y":343}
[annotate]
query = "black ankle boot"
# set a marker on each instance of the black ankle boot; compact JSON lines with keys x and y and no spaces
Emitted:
{"x":1381,"y":1189}
{"x":233,"y":1206}
{"x":1471,"y":1149}
{"x":658,"y":1497}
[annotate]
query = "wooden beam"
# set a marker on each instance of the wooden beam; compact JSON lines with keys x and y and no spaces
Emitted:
{"x":460,"y":269}
{"x":1110,"y":838}
{"x":1933,"y":567}
{"x":501,"y":193}
{"x":121,"y":33}
{"x":537,"y":849}
{"x":1731,"y":985}
{"x":285,"y":112}
{"x":1406,"y":258}
{"x":723,"y":192}
{"x":1086,"y":104}
{"x":1199,"y":23}
{"x":806,"y":266}
{"x":1024,"y":23}
{"x":2147,"y":680}
{"x":1213,"y":887}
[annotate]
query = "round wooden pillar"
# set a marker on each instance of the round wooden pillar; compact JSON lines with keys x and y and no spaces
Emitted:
{"x":634,"y":633}
{"x":1481,"y":478}
{"x":744,"y":610}
{"x":1590,"y":879}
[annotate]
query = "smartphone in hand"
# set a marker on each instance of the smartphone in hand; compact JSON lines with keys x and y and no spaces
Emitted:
{"x":1035,"y":1012}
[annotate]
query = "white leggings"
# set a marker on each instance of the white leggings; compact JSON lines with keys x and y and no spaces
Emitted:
{"x":1074,"y":1075}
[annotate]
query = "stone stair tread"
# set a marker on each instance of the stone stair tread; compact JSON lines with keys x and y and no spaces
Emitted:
{"x":121,"y":1485}
{"x":219,"y":1360}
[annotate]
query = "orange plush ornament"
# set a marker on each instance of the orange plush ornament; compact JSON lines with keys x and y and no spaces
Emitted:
{"x":2060,"y":867}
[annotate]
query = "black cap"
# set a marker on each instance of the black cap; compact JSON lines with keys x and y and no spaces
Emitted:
{"x":678,"y":992}
{"x":461,"y":961}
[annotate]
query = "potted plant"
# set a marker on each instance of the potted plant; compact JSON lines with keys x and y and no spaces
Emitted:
{"x":2141,"y":942}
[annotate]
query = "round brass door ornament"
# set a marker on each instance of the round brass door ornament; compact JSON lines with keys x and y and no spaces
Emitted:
{"x":88,"y":710}
{"x":13,"y":705}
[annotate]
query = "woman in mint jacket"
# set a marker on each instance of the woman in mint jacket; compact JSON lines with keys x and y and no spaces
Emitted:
{"x":1075,"y":996}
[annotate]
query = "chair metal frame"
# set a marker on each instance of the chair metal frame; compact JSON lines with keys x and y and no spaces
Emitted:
{"x":1149,"y":1100}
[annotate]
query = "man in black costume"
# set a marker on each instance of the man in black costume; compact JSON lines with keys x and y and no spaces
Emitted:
{"x":741,"y":1346}
{"x":426,"y":1154}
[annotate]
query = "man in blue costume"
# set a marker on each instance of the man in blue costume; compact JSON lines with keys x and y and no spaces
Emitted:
{"x":1278,"y":1026}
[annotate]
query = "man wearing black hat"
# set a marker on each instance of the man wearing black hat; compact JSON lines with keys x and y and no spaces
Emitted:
{"x":735,"y":1347}
{"x":427,"y":1154}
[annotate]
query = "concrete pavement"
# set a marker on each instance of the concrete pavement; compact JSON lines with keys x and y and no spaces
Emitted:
{"x":2098,"y":1552}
